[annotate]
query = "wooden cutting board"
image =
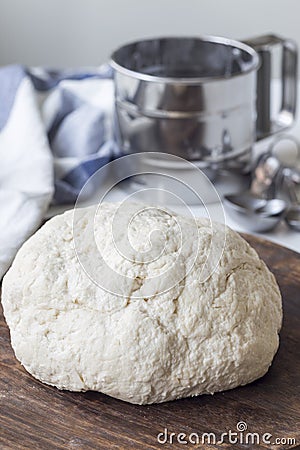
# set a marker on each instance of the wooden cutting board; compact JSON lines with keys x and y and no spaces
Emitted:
{"x":34,"y":416}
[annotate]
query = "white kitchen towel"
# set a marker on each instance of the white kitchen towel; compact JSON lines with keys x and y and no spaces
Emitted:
{"x":55,"y":132}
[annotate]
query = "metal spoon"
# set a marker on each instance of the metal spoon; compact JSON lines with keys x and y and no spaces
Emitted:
{"x":255,"y":214}
{"x":291,"y":183}
{"x":257,"y":209}
{"x":293,"y":218}
{"x":273,"y":173}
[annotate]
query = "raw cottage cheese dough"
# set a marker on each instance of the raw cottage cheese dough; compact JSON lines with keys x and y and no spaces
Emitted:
{"x":165,"y":337}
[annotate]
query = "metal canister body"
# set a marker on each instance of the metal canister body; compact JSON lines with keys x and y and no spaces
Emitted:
{"x":206,"y":123}
{"x":202,"y":110}
{"x":197,"y":98}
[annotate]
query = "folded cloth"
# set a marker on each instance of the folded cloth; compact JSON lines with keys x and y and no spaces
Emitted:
{"x":55,"y":132}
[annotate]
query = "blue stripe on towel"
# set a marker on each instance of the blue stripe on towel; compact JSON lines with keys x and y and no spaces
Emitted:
{"x":45,"y":79}
{"x":10,"y":80}
{"x":68,"y":189}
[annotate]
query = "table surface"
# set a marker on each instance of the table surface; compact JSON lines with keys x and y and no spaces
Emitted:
{"x":38,"y":417}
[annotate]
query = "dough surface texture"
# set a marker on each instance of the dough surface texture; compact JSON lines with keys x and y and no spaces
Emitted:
{"x":138,"y":323}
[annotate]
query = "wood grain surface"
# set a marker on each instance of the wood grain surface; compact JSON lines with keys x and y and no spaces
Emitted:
{"x":34,"y":416}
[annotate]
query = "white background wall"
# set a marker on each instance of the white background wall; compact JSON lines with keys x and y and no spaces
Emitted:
{"x":83,"y":32}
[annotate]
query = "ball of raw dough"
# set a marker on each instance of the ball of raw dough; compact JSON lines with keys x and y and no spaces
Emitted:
{"x":121,"y":306}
